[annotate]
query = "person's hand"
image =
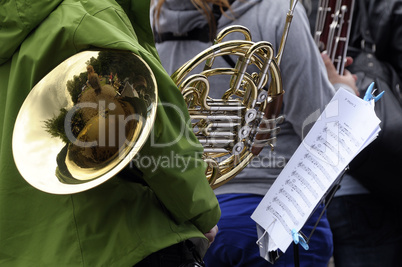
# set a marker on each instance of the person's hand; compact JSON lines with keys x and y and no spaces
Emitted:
{"x":211,"y":234}
{"x":334,"y":77}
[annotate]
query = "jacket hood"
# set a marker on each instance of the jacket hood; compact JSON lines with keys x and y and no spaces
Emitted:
{"x":17,"y":19}
{"x":180,"y":16}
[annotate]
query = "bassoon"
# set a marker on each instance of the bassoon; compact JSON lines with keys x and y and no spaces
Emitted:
{"x":332,"y":29}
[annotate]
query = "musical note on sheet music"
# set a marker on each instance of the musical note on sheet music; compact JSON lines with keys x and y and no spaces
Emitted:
{"x":347,"y":125}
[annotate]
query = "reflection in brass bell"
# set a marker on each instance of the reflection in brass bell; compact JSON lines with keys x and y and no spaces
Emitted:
{"x":85,"y":121}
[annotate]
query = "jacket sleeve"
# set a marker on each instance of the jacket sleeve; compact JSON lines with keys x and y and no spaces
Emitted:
{"x":172,"y":166}
{"x":171,"y":160}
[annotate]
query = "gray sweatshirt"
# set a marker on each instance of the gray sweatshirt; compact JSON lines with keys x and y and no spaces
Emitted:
{"x":304,"y":77}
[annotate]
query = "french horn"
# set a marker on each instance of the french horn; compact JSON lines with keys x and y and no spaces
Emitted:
{"x":89,"y":117}
{"x":235,"y":128}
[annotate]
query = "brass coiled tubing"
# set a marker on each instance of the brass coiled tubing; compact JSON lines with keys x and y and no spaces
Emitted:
{"x":234,"y":128}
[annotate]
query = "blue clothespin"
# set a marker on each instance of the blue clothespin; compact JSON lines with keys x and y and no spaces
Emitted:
{"x":369,"y":96}
{"x":298,"y":238}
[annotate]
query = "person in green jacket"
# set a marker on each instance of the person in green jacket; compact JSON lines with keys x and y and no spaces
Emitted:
{"x":121,"y":222}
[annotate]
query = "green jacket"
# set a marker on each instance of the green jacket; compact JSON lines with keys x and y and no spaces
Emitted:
{"x":119,"y":222}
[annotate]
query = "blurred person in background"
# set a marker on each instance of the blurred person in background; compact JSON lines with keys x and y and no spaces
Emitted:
{"x":365,"y":223}
{"x":183,"y":29}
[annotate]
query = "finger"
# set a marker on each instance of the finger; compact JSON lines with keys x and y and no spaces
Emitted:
{"x":211,"y":234}
{"x":347,"y":73}
{"x":349,"y":76}
{"x":349,"y":61}
{"x":326,"y":58}
{"x":328,"y":63}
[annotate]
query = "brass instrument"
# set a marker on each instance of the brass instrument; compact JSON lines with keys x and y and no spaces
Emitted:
{"x":235,"y":128}
{"x":101,"y":106}
{"x":100,"y":122}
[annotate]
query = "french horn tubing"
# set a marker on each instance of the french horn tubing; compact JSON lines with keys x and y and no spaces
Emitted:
{"x":235,"y":128}
{"x":88,"y":118}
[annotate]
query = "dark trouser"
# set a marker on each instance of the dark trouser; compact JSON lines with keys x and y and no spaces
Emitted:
{"x":366,"y":232}
{"x":182,"y":254}
{"x":235,"y":244}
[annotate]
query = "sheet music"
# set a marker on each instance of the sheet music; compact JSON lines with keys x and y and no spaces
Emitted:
{"x":347,"y":125}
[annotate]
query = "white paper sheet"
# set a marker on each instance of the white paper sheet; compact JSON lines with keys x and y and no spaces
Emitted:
{"x":347,"y":125}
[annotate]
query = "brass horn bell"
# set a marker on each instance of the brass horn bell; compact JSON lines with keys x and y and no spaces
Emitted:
{"x":85,"y":121}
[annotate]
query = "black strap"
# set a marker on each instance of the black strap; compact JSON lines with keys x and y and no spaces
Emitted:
{"x":367,"y":43}
{"x":200,"y":34}
{"x":229,"y":60}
